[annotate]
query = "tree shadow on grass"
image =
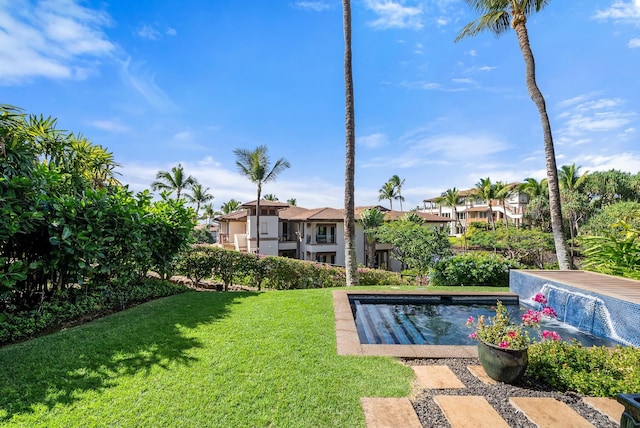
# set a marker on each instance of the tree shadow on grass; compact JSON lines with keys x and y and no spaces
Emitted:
{"x":58,"y":368}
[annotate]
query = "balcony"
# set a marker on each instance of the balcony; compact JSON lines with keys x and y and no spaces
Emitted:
{"x":321,"y":239}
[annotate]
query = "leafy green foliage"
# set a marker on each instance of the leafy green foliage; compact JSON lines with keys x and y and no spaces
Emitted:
{"x":473,"y":269}
{"x":279,"y":273}
{"x":525,"y":246}
{"x":615,"y":253}
{"x":65,"y":222}
{"x":72,"y":304}
{"x":600,"y":223}
{"x":417,"y":246}
{"x":594,"y":371}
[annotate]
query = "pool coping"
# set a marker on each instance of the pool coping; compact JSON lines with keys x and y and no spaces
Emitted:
{"x":348,"y":342}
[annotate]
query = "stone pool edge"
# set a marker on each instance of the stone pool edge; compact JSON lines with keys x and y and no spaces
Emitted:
{"x":348,"y":342}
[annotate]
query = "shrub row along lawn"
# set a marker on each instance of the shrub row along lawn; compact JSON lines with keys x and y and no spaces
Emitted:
{"x":197,"y":359}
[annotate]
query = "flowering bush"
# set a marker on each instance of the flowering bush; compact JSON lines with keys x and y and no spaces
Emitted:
{"x":501,"y":331}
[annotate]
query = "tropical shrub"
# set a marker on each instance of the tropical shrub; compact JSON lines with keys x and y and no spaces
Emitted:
{"x":526,"y":246}
{"x":281,"y":273}
{"x":594,"y":371}
{"x":476,"y":268}
{"x":416,"y":246}
{"x":73,"y":304}
{"x":615,"y":253}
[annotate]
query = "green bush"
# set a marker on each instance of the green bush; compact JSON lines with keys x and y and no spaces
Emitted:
{"x":73,"y":304}
{"x":278,"y":273}
{"x":595,"y":371}
{"x":474,"y":268}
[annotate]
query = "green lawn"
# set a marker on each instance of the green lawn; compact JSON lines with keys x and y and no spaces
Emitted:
{"x":198,"y":360}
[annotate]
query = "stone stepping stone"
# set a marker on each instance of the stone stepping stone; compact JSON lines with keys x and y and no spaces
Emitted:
{"x":389,"y":413}
{"x":548,"y":412}
{"x":437,"y":377}
{"x":607,"y":406}
{"x":479,"y":372}
{"x":469,"y":411}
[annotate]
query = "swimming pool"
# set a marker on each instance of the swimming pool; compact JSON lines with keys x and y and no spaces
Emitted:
{"x":438,"y":319}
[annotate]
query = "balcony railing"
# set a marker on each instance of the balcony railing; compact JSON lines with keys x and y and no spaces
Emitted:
{"x":321,"y":239}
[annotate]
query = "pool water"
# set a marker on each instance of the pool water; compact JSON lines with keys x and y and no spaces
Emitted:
{"x":440,"y":320}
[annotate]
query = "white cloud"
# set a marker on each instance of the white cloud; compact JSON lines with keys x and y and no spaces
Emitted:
{"x":182,"y":136}
{"x":109,"y":125}
{"x":373,"y":141}
{"x":626,"y":161}
{"x":634,"y":43}
{"x":135,"y":76}
{"x":622,"y":11}
{"x":393,"y":14}
{"x":472,"y":52}
{"x":584,"y":116}
{"x":51,"y":39}
{"x":148,"y":32}
{"x":171,"y":32}
{"x":315,"y":6}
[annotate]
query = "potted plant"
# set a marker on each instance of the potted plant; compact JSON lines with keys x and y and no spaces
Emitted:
{"x":503,"y":345}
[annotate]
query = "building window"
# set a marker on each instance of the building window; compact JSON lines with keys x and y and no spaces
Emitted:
{"x":326,"y":234}
{"x":329,"y":258}
{"x":263,"y":228}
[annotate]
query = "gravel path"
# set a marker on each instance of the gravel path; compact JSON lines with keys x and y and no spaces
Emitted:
{"x":497,"y":395}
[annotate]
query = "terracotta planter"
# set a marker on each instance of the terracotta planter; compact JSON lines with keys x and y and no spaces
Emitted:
{"x":503,"y":365}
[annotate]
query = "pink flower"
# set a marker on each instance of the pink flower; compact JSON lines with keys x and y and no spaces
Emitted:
{"x":549,"y":312}
{"x":470,"y":320}
{"x":512,"y":334}
{"x":552,"y":335}
{"x":531,"y":317}
{"x":540,"y":298}
{"x":504,"y":345}
{"x":473,"y":335}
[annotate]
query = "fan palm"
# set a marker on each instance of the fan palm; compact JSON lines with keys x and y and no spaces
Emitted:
{"x":173,"y":180}
{"x":256,"y":166}
{"x":351,"y":265}
{"x":497,"y":16}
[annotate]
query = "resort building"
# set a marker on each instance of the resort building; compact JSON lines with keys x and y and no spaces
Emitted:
{"x":306,"y":234}
{"x":471,"y":208}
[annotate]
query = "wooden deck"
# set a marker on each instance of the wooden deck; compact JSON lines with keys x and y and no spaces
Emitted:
{"x":620,"y":288}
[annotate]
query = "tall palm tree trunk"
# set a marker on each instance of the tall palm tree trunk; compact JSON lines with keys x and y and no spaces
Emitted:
{"x":351,"y":265}
{"x":258,"y":220}
{"x":520,"y":28}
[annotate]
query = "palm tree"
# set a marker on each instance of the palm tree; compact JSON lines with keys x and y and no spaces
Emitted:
{"x":230,"y":206}
{"x":255,"y":165}
{"x":503,"y":192}
{"x":292,"y":201}
{"x":351,"y":264}
{"x":209,"y":213}
{"x":486,"y":191}
{"x":534,"y":188}
{"x":398,"y":183}
{"x":270,"y":197}
{"x":451,"y":198}
{"x":371,"y":219}
{"x":538,"y":205}
{"x":388,"y":191}
{"x":569,"y":177}
{"x":174,"y":180}
{"x":496,"y":15}
{"x":199,"y":196}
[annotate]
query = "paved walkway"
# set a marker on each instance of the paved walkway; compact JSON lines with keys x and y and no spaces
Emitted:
{"x":466,"y":411}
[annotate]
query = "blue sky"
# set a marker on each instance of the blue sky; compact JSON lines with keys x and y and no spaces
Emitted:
{"x":161,"y":82}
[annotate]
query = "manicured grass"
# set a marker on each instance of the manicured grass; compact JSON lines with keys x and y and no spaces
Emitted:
{"x":198,"y":360}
